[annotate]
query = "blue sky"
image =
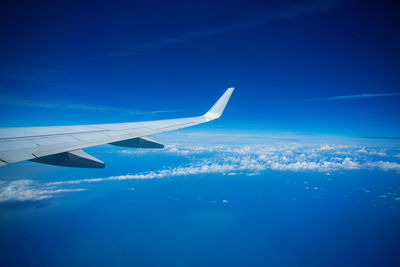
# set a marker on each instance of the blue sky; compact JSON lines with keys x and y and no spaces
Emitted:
{"x":127,"y":61}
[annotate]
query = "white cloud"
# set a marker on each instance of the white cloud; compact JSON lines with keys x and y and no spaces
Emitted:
{"x":28,"y":190}
{"x":378,"y":153}
{"x":384,"y":165}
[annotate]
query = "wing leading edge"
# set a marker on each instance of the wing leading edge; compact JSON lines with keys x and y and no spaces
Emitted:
{"x":61,"y":145}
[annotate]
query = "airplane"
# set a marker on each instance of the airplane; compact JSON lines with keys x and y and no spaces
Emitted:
{"x":62,"y":145}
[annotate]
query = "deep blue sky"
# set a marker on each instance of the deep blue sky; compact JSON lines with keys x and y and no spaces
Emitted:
{"x":68,"y":63}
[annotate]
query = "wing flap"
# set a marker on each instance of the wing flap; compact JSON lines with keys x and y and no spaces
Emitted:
{"x":139,"y":142}
{"x":75,"y":158}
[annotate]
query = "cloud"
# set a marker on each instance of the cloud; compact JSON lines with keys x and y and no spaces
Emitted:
{"x":287,"y":13}
{"x":254,"y":159}
{"x":36,"y":75}
{"x":19,"y":101}
{"x":344,"y":97}
{"x":28,"y":190}
{"x":228,"y":159}
{"x":384,"y":165}
{"x":199,"y":168}
{"x":359,"y":96}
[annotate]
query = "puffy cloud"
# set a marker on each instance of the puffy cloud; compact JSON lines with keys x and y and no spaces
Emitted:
{"x":28,"y":190}
{"x":384,"y":165}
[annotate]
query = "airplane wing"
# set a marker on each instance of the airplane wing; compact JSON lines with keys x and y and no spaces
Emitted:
{"x":62,"y":145}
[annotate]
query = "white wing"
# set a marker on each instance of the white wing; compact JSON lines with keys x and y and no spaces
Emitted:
{"x":61,"y":145}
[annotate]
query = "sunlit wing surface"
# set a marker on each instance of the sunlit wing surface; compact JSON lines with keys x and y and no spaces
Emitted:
{"x":61,"y":145}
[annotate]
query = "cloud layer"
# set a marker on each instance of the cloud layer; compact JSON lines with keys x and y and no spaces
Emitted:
{"x":229,"y":160}
{"x":254,"y":159}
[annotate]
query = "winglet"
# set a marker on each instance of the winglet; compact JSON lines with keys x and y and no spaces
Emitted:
{"x":218,"y":108}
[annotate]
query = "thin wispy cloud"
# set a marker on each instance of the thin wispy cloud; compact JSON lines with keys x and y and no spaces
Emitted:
{"x":344,"y":97}
{"x":39,"y":78}
{"x":286,"y":13}
{"x":359,"y":96}
{"x":24,"y":102}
